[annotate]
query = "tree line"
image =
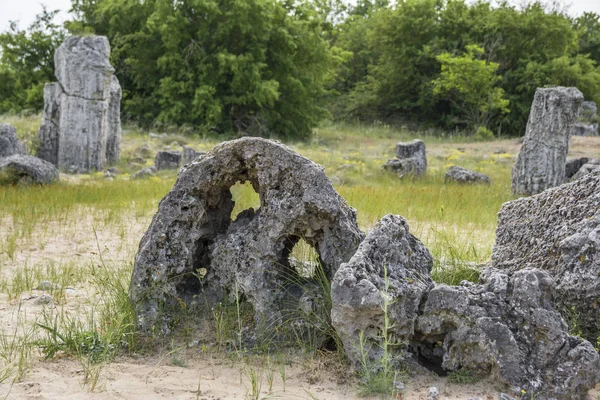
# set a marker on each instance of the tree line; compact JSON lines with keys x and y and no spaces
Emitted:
{"x":279,"y":67}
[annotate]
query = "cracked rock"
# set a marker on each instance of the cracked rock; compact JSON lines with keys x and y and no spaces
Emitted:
{"x":411,"y":159}
{"x":9,"y":142}
{"x":81,"y":127}
{"x":541,"y":162}
{"x":27,"y":170}
{"x":558,"y":231}
{"x":392,"y":266}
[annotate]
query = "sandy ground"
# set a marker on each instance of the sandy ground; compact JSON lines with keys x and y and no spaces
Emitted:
{"x":202,"y":376}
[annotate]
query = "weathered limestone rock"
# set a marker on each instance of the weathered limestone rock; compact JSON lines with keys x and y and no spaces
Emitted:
{"x":144,"y":173}
{"x":558,"y":231}
{"x":573,"y":165}
{"x":168,"y":159}
{"x":193,"y":231}
{"x":390,"y":264}
{"x":540,"y":164}
{"x":113,"y":142}
{"x":411,"y":159}
{"x":591,"y":165}
{"x":463,"y":175}
{"x":27,"y":169}
{"x":9,"y":142}
{"x":49,"y":132}
{"x":81,"y":126}
{"x":507,"y":327}
{"x":586,"y":124}
{"x":189,"y":155}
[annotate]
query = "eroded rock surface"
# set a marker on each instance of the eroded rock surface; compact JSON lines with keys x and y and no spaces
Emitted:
{"x":558,"y":231}
{"x":81,"y":125}
{"x":193,"y":231}
{"x":9,"y":142}
{"x":389,"y":262}
{"x":26,"y":170}
{"x":541,"y":162}
{"x":411,"y":159}
{"x":507,"y":327}
{"x":463,"y":175}
{"x":167,"y":159}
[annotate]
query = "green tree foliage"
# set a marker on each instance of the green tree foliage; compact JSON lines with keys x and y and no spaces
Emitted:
{"x":395,"y":64}
{"x":469,"y":84}
{"x":269,"y":67}
{"x":27,"y":62}
{"x":255,"y":67}
{"x":588,"y":28}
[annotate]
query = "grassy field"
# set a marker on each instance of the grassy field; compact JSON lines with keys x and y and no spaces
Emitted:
{"x":80,"y":237}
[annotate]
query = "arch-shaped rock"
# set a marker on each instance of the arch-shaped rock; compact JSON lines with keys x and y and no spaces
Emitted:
{"x":192,"y":230}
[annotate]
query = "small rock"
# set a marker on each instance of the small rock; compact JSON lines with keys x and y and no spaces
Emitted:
{"x":433,"y":393}
{"x":113,"y":170}
{"x":144,"y":173}
{"x":167,"y":160}
{"x":28,"y":169}
{"x":411,"y":159}
{"x":463,"y":175}
{"x":44,"y":299}
{"x":504,"y":396}
{"x":157,"y":135}
{"x":9,"y":142}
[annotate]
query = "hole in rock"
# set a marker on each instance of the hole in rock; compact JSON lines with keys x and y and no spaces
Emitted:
{"x":190,"y":285}
{"x":430,"y":356}
{"x":245,"y":197}
{"x":304,"y":259}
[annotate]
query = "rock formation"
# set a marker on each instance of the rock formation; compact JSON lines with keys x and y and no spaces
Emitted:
{"x":505,"y":326}
{"x":411,"y":159}
{"x":540,"y":164}
{"x":144,"y":173}
{"x":167,"y":159}
{"x":26,"y":170}
{"x":248,"y":257}
{"x":389,"y":260}
{"x":587,"y":124}
{"x":558,"y":231}
{"x":9,"y":142}
{"x":463,"y":175}
{"x":81,"y":125}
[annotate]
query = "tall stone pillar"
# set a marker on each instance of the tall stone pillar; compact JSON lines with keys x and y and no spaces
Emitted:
{"x":541,"y":162}
{"x":81,"y":129}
